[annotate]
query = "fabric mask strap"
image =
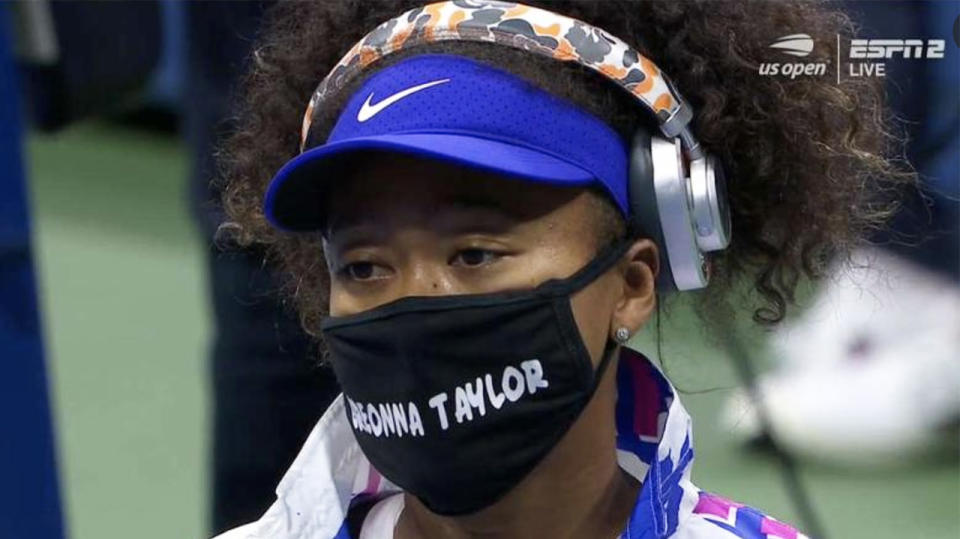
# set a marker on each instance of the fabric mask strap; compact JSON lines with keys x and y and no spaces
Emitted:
{"x":605,"y":260}
{"x":608,"y":353}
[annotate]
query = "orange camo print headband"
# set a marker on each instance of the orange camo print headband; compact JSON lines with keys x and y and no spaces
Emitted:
{"x":524,"y":27}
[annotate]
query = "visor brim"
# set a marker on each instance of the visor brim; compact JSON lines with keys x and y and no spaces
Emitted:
{"x":294,"y":198}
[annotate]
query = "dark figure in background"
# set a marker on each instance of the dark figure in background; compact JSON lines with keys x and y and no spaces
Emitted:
{"x":924,"y":93}
{"x":267,"y":393}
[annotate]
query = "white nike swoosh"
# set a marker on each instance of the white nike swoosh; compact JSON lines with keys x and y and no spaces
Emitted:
{"x":368,"y":111}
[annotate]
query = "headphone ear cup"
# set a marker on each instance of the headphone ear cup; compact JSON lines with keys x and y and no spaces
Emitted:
{"x":644,"y":213}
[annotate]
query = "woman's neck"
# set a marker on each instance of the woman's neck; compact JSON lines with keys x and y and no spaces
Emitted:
{"x":578,"y":490}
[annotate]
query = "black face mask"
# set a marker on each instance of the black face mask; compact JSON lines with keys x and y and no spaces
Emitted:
{"x":457,"y":398}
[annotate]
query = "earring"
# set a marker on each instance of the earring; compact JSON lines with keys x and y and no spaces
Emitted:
{"x":622,"y":335}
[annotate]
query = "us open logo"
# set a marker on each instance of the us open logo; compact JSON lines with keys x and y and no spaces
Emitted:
{"x":795,"y":44}
{"x":798,"y":45}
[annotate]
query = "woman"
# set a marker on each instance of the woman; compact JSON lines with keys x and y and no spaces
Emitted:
{"x":482,"y":213}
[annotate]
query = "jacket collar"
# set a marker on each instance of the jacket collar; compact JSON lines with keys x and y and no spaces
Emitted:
{"x":654,"y":444}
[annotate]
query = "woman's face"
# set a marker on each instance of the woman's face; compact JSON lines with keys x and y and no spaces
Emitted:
{"x":401,"y":226}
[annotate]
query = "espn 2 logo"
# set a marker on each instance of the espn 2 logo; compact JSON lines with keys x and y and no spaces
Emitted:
{"x":886,"y":49}
{"x":869,"y":49}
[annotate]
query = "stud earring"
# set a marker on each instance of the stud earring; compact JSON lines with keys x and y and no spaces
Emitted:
{"x":622,"y":335}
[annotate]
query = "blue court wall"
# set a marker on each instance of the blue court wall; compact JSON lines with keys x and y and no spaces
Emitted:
{"x":29,"y":496}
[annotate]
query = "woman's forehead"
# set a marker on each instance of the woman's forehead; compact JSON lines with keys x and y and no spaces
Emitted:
{"x":387,"y":185}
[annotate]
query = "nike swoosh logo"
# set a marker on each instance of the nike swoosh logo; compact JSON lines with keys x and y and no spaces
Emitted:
{"x":369,"y":110}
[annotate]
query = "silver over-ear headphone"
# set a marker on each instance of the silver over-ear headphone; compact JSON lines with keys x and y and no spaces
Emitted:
{"x":677,"y":191}
{"x":681,"y":205}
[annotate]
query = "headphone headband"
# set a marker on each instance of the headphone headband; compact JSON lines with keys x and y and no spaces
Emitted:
{"x":523,"y":27}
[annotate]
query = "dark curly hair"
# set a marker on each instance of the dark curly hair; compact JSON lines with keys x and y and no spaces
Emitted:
{"x":812,"y":166}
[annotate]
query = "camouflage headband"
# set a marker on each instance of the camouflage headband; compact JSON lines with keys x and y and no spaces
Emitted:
{"x":523,"y":27}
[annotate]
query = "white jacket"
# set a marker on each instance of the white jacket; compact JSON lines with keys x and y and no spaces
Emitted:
{"x":654,"y":444}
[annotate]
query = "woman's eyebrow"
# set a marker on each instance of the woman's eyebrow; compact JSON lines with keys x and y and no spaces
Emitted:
{"x":455,"y":214}
{"x":347,"y":233}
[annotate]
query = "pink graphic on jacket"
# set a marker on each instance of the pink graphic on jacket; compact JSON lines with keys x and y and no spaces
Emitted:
{"x":741,"y":519}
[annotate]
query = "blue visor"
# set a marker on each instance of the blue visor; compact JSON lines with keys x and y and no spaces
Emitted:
{"x":458,"y":110}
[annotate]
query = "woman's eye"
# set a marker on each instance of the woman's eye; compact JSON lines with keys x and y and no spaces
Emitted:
{"x":475,"y":257}
{"x":363,"y":271}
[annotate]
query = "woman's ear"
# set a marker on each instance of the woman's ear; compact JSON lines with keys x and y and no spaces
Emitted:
{"x":638,"y":297}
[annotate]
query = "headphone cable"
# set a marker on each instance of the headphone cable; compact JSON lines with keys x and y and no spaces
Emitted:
{"x":794,"y":486}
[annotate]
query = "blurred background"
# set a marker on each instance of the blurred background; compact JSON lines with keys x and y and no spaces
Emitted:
{"x":157,"y":388}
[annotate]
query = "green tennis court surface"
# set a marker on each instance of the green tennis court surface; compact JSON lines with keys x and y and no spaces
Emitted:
{"x":126,"y":320}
